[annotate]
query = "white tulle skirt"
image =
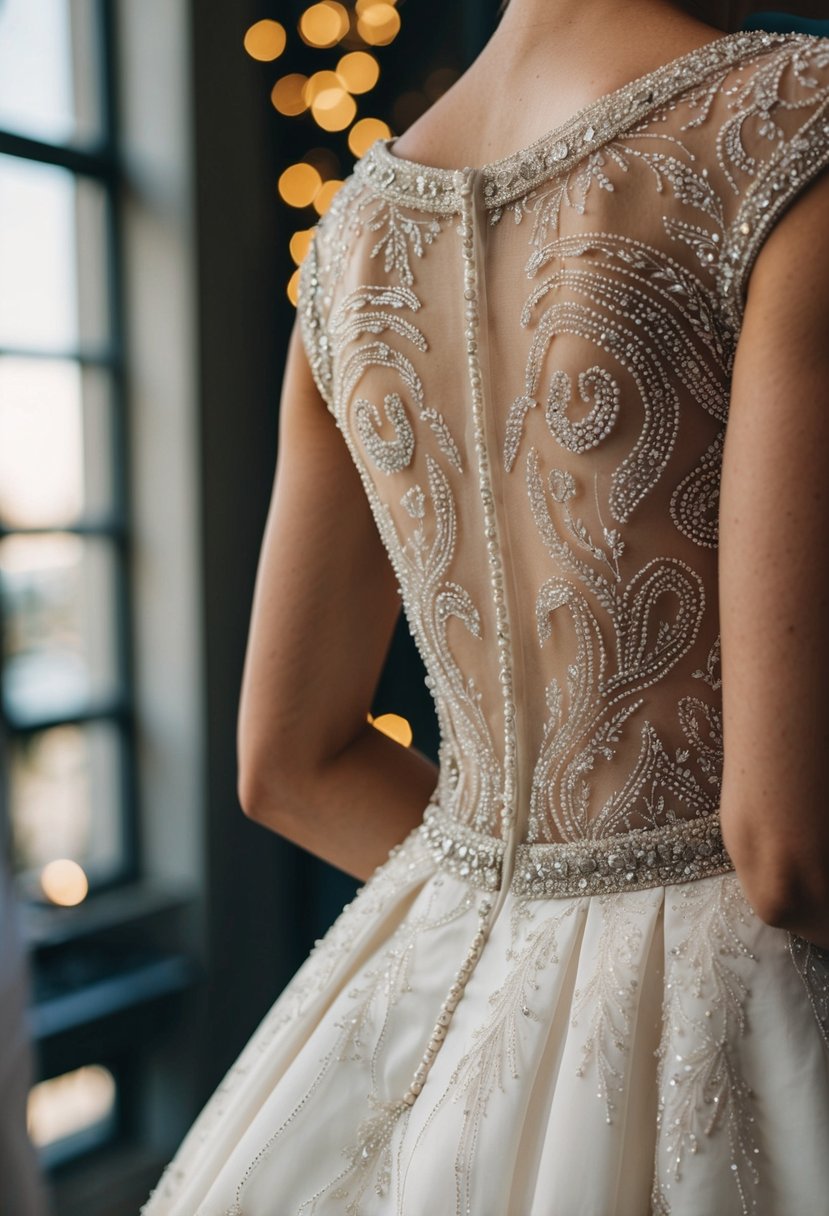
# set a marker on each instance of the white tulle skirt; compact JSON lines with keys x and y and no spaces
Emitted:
{"x":657,"y":1051}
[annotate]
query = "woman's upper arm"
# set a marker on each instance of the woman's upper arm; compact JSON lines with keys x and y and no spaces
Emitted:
{"x":325,"y":601}
{"x":774,"y":569}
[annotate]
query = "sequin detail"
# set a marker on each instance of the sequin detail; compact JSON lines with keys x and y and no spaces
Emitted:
{"x":812,"y":965}
{"x":681,"y":851}
{"x":702,"y":1087}
{"x":431,"y":189}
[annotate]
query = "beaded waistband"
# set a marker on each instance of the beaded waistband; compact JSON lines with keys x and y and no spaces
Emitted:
{"x":646,"y":857}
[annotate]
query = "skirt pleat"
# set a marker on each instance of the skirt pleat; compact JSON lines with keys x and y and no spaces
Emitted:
{"x":651,"y":1051}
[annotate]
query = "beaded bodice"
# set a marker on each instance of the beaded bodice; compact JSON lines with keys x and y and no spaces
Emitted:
{"x":530,"y":364}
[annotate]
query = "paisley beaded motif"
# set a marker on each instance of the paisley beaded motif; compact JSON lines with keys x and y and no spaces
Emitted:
{"x":557,"y":563}
{"x":654,"y":316}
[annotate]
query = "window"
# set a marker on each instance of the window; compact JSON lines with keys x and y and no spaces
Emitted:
{"x":73,"y":1111}
{"x":65,"y":696}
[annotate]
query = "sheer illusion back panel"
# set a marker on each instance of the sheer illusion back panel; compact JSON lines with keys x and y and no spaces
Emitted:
{"x":611,"y":259}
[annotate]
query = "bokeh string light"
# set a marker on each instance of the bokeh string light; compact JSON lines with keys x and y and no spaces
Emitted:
{"x":265,"y":40}
{"x":364,"y":132}
{"x":377,"y":24}
{"x":298,"y":184}
{"x":327,"y":97}
{"x":329,"y":94}
{"x":395,"y":726}
{"x":288,"y":94}
{"x":359,"y":71}
{"x":325,"y":24}
{"x":299,"y":244}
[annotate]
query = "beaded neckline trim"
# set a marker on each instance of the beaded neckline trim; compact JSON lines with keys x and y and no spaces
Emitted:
{"x":439,"y":190}
{"x":682,"y":851}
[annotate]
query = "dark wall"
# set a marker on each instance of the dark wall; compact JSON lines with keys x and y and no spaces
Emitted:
{"x":253,"y":880}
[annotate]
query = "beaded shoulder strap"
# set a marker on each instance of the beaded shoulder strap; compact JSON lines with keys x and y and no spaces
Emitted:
{"x":436,"y":189}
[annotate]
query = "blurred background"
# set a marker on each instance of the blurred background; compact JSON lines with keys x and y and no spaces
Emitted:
{"x":162,"y":164}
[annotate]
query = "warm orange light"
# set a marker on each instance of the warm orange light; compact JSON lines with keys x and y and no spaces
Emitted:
{"x":299,"y":243}
{"x":395,"y":727}
{"x":322,"y":82}
{"x":288,"y":94}
{"x":324,"y":195}
{"x":334,"y":111}
{"x":359,"y":71}
{"x":63,"y":882}
{"x":363,"y":134}
{"x":293,"y":287}
{"x":324,"y":24}
{"x":265,"y":40}
{"x":299,"y":184}
{"x":328,"y":99}
{"x":378,"y":24}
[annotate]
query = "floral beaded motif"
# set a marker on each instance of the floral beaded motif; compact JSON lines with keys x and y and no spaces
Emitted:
{"x":812,"y":964}
{"x":703,"y":1090}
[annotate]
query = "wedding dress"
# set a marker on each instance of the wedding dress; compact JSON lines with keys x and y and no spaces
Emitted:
{"x":553,"y":998}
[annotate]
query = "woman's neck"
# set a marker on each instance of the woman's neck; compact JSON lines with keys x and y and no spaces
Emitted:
{"x":579,"y":20}
{"x":723,"y":15}
{"x":613,"y":37}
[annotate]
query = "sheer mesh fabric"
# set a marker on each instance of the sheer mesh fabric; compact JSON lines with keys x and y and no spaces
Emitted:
{"x":612,"y":259}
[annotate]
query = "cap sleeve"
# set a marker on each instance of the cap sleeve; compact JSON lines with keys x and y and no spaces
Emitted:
{"x":775,"y":144}
{"x":312,"y":322}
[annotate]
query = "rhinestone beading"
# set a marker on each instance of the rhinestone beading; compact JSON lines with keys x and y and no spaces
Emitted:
{"x":435,"y":189}
{"x":465,"y":183}
{"x":798,"y":160}
{"x":681,"y":851}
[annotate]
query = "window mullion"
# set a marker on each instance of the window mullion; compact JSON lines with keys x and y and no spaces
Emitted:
{"x":86,"y":162}
{"x":120,"y":433}
{"x":108,"y":526}
{"x":106,"y":357}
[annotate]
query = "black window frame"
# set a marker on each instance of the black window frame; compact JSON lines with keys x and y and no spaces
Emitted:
{"x":100,"y":163}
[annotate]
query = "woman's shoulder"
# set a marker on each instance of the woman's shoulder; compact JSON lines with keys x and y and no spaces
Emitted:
{"x":463,"y":128}
{"x":770,"y":143}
